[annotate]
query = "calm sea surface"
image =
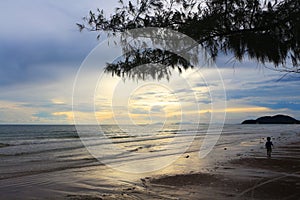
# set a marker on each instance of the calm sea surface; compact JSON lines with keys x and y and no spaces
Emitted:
{"x":51,"y":161}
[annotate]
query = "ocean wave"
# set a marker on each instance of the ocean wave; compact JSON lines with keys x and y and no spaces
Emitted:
{"x":4,"y":145}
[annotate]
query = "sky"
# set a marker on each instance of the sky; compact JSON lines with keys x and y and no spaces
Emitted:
{"x":42,"y":53}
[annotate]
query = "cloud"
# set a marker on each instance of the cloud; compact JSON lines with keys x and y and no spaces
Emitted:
{"x":247,"y":109}
{"x":58,"y":117}
{"x":49,"y":39}
{"x":140,"y":111}
{"x":45,"y":19}
{"x":42,"y":49}
{"x":157,"y":109}
{"x":66,"y":115}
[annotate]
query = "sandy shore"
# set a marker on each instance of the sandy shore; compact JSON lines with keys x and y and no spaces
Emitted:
{"x":236,"y":168}
{"x":253,"y":177}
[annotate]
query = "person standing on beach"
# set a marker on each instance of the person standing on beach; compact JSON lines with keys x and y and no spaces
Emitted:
{"x":269,"y":146}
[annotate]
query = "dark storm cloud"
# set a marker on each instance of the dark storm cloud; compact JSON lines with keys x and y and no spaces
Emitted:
{"x":24,"y":61}
{"x":42,"y":34}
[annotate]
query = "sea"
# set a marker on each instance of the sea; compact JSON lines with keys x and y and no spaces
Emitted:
{"x":68,"y":161}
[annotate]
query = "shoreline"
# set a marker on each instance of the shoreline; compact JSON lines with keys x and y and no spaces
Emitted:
{"x":236,"y":168}
{"x":248,"y":175}
{"x":251,"y":177}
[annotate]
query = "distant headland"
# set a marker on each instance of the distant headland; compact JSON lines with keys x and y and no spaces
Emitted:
{"x":276,"y":119}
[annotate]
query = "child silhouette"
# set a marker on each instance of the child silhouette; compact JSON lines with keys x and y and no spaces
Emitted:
{"x":269,"y":145}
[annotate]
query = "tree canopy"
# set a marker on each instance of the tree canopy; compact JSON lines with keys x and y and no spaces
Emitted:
{"x":265,"y":31}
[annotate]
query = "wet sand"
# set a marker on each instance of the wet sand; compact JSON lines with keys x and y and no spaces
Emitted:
{"x":236,"y":168}
{"x":252,"y":177}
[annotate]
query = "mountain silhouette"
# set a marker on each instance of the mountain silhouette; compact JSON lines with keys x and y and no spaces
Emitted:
{"x":276,"y":119}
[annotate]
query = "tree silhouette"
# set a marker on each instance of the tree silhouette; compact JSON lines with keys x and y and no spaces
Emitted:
{"x":268,"y":32}
{"x":134,"y":64}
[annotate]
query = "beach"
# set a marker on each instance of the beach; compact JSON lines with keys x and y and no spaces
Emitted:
{"x":37,"y":166}
{"x":253,"y":177}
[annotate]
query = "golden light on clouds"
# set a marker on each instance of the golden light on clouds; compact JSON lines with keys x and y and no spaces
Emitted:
{"x":146,"y":114}
{"x":57,"y":101}
{"x":104,"y":116}
{"x":153,"y":103}
{"x":146,"y":104}
{"x":238,"y":110}
{"x":248,"y":109}
{"x":68,"y":114}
